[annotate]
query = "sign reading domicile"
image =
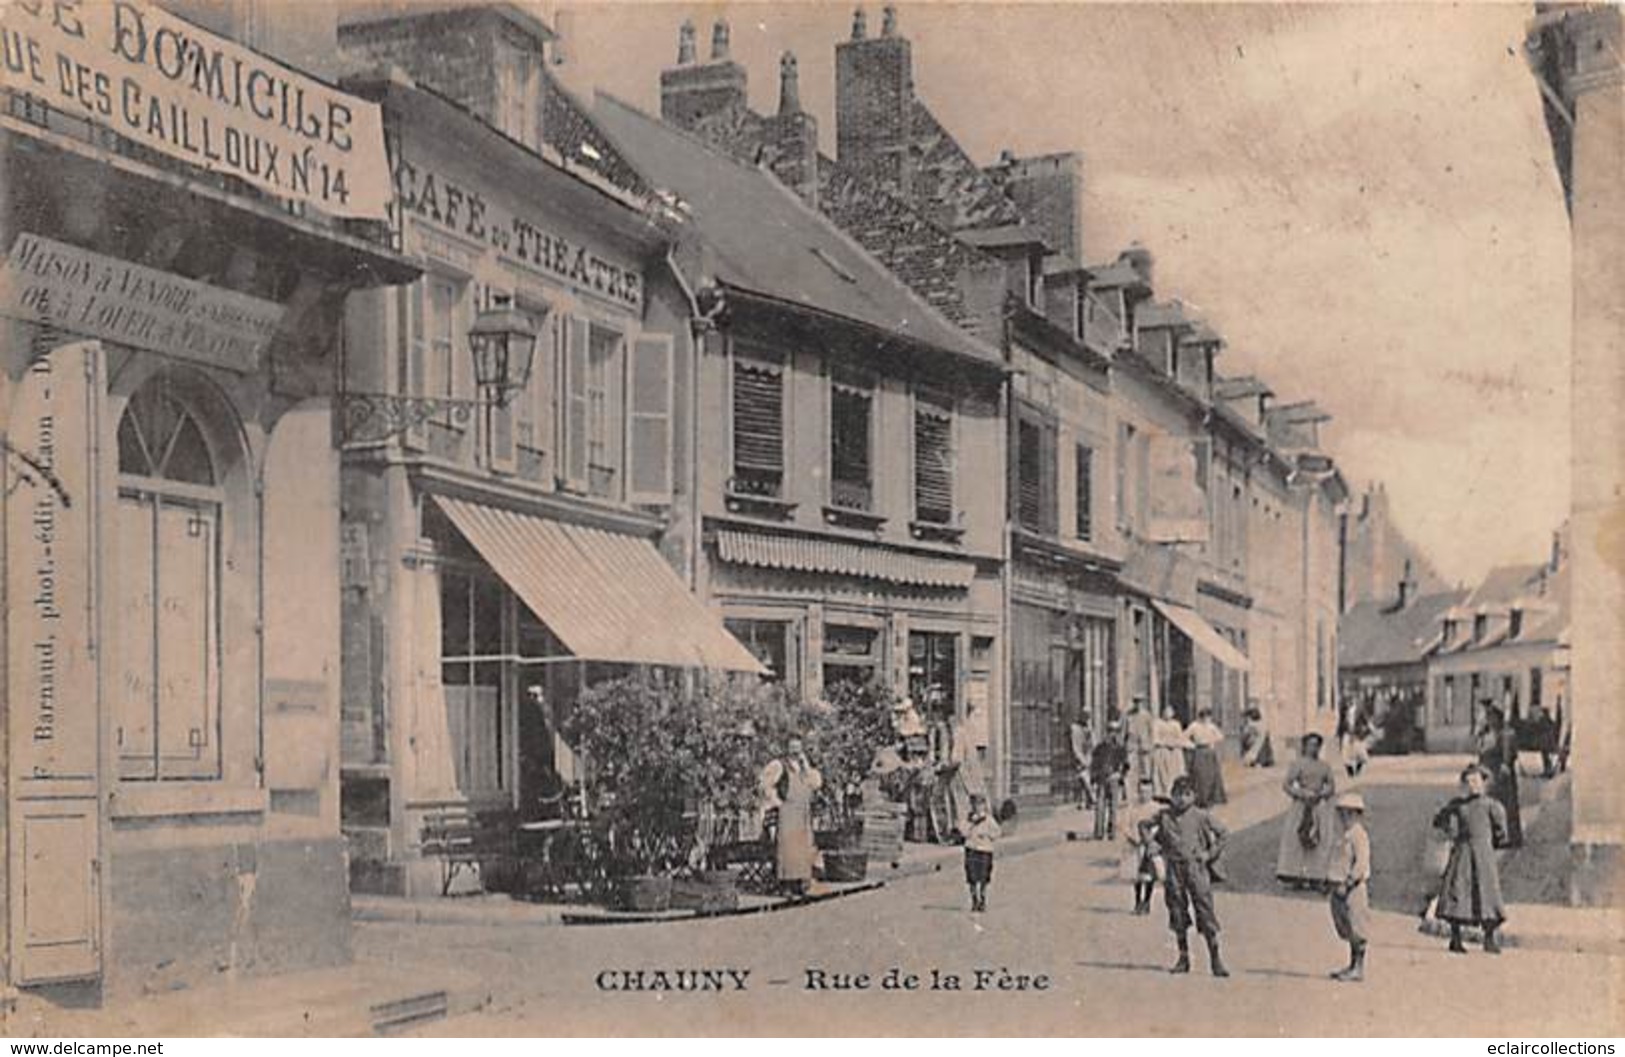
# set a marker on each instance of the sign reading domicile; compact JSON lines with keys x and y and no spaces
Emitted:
{"x":46,"y":281}
{"x":444,"y":203}
{"x":178,"y":89}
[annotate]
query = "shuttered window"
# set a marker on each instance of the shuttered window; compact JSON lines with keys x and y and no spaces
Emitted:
{"x":1036,"y":500}
{"x":649,"y":419}
{"x":758,"y":427}
{"x":1084,"y":484}
{"x":850,"y":482}
{"x":933,"y":463}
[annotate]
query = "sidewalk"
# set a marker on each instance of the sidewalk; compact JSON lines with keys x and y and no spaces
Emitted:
{"x":358,"y":999}
{"x":1254,"y":797}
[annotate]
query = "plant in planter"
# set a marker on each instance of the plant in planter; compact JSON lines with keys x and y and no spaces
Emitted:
{"x":631,"y":733}
{"x":843,"y":739}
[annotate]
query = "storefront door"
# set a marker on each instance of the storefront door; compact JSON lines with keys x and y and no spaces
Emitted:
{"x":54,"y":708}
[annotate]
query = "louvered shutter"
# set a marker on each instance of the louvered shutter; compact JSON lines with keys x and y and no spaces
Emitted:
{"x":1029,"y":476}
{"x":1049,"y":516}
{"x":575,"y":404}
{"x":933,"y":465}
{"x":413,"y":380}
{"x":649,"y":419}
{"x":1084,"y":477}
{"x":758,"y":418}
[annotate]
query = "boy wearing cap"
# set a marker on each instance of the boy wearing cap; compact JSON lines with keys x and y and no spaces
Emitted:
{"x":1350,"y":877}
{"x":1191,"y":841}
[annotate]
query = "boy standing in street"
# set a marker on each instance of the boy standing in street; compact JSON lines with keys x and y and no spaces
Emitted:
{"x":1350,"y":877}
{"x":1107,"y":765}
{"x":1191,"y":840}
{"x":981,"y":833}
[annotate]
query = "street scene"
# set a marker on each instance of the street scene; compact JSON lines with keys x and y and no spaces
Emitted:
{"x":547,"y":518}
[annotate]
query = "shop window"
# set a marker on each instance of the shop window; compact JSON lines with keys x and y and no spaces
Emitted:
{"x":758,"y":427}
{"x":933,"y":462}
{"x":769,"y":642}
{"x":933,"y":673}
{"x":167,"y":604}
{"x":1083,"y":521}
{"x":851,"y":655}
{"x":473,"y":617}
{"x":851,"y":470}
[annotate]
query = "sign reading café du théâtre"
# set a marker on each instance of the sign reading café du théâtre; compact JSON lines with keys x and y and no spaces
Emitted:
{"x":168,"y":85}
{"x":103,"y":297}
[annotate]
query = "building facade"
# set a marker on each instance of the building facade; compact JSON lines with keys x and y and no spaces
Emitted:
{"x":172,"y":304}
{"x":500,"y":557}
{"x":1575,"y":54}
{"x":849,"y":449}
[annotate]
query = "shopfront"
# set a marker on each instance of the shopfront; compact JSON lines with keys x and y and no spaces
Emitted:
{"x":171,"y":505}
{"x":506,"y":552}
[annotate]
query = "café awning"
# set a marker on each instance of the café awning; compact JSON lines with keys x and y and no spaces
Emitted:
{"x":608,"y":596}
{"x":1203,"y":634}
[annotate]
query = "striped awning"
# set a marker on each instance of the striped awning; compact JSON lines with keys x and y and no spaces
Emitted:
{"x":839,"y":558}
{"x":606,"y":595}
{"x":1205,"y":635}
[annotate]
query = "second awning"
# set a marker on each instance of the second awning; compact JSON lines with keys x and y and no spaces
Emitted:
{"x":606,"y":595}
{"x":1203,"y":634}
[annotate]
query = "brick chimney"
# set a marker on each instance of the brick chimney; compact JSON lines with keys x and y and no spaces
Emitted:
{"x":1407,"y":585}
{"x":874,"y":101}
{"x":691,"y":91}
{"x":1049,"y":190}
{"x":792,"y":135}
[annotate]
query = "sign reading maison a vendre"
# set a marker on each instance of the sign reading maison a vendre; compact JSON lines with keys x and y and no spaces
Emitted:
{"x":168,"y":85}
{"x":87,"y":293}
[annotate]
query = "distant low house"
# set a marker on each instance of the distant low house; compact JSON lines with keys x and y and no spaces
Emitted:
{"x":1382,"y":661}
{"x":1506,"y":645}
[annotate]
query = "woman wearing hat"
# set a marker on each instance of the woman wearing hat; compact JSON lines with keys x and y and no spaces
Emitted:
{"x":1349,"y":895}
{"x":1309,"y":833}
{"x":1471,"y":893}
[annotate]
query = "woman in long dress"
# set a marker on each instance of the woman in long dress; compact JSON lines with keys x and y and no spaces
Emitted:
{"x":1498,"y":755}
{"x":1207,"y":780}
{"x":1256,"y":750}
{"x":1168,"y":746}
{"x":1309,"y":833}
{"x":1470,"y":893}
{"x":792,"y":781}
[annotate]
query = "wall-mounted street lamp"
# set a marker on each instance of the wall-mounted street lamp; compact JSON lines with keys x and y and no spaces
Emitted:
{"x":502,"y":341}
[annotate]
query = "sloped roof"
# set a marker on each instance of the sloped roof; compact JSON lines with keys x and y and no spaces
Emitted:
{"x":1244,"y":385}
{"x":570,"y":130}
{"x":1505,"y":585}
{"x":1162,"y":314}
{"x":1110,"y":276}
{"x":1375,"y":632}
{"x":767,"y":241}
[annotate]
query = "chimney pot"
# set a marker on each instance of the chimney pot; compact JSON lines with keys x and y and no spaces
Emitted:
{"x":860,"y":24}
{"x":719,"y":41}
{"x":888,"y":21}
{"x":685,"y":43}
{"x":789,"y":85}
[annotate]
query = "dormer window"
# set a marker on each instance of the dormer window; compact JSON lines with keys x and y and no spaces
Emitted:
{"x":1449,"y":632}
{"x":1481,"y":627}
{"x":1515,"y":624}
{"x":519,"y":95}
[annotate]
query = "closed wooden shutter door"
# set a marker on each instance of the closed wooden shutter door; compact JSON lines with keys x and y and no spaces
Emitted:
{"x":1084,"y":476}
{"x":933,"y":465}
{"x":758,"y":408}
{"x":649,"y":419}
{"x":575,"y":404}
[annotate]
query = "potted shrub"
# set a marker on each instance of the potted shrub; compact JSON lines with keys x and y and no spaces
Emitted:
{"x":843,"y":738}
{"x":631,"y":733}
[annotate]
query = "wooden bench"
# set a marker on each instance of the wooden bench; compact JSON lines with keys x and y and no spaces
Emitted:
{"x":467,"y":836}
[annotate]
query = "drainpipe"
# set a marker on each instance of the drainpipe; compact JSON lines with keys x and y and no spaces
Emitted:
{"x":696,"y":343}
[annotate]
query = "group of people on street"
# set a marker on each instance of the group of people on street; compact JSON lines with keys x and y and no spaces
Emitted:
{"x":1155,"y":781}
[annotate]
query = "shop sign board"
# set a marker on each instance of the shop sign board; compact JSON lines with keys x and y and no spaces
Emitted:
{"x":185,"y":92}
{"x":431,"y":197}
{"x":87,"y":293}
